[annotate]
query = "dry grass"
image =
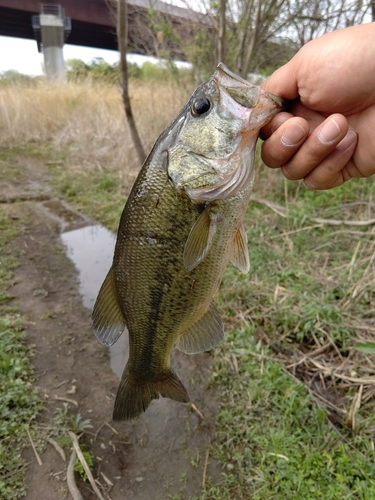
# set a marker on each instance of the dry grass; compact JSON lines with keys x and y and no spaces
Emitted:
{"x":87,"y":120}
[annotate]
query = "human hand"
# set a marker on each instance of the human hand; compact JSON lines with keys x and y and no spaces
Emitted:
{"x":327,"y":137}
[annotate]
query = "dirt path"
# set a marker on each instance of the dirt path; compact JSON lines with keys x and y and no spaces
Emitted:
{"x":164,"y":453}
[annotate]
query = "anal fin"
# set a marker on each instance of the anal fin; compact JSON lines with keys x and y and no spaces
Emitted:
{"x":205,"y":334}
{"x":107,"y":319}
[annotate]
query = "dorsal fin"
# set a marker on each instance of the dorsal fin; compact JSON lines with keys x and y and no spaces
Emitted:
{"x":107,"y":319}
{"x":205,"y":334}
{"x":199,"y":240}
{"x":240,"y":252}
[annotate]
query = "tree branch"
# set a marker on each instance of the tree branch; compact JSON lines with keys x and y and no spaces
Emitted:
{"x":122,"y":37}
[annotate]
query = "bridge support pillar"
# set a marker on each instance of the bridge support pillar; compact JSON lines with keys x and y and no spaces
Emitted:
{"x":51,"y":28}
{"x":52,"y":35}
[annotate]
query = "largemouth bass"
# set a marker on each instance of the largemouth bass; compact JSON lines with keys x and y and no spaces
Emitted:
{"x":181,"y":225}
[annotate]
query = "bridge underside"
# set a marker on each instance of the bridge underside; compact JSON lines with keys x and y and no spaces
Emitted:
{"x":142,"y":39}
{"x":17,"y":23}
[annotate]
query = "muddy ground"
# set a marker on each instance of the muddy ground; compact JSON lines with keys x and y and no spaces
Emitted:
{"x":165,"y":452}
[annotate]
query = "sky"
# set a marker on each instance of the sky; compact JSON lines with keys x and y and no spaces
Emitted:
{"x":22,"y":55}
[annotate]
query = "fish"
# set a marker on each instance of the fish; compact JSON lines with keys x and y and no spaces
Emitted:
{"x":183,"y":222}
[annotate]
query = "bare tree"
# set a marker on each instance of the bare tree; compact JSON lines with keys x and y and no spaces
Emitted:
{"x":248,"y":35}
{"x":122,"y":36}
{"x":221,"y":33}
{"x":314,"y":18}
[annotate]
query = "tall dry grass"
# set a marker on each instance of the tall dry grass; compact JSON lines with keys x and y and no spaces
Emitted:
{"x":87,"y":119}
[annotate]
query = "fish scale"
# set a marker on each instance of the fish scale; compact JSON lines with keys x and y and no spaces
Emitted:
{"x":181,"y":225}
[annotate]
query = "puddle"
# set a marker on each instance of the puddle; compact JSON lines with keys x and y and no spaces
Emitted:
{"x":90,"y":248}
{"x":67,"y":217}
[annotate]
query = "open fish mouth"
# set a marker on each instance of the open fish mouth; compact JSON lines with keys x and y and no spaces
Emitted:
{"x":244,"y":93}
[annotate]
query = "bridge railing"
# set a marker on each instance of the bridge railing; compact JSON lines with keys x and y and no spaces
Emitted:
{"x":52,"y":9}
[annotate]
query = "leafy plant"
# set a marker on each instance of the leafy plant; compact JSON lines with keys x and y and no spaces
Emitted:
{"x":78,"y":467}
{"x":78,"y":424}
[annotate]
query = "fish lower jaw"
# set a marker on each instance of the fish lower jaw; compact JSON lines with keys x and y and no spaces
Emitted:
{"x":232,"y":184}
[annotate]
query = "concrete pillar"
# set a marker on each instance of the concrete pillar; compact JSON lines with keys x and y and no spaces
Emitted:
{"x":51,"y":28}
{"x":52,"y":37}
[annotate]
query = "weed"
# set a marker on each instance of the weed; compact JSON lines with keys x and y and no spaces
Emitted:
{"x":367,"y":347}
{"x":78,"y":424}
{"x":78,"y":467}
{"x":65,"y":423}
{"x":49,"y":315}
{"x":19,"y":401}
{"x":39,"y":293}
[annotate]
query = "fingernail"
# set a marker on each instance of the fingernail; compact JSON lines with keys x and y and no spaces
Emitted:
{"x":349,"y":140}
{"x":293,"y":134}
{"x":329,"y":132}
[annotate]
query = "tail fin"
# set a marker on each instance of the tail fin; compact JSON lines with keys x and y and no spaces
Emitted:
{"x":133,"y":396}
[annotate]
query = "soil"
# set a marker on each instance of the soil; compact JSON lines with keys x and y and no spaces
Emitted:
{"x":163,"y":453}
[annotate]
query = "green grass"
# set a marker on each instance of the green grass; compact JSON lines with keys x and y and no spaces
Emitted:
{"x":97,"y":194}
{"x":308,"y":287}
{"x":286,"y":429}
{"x":274,"y":440}
{"x":19,"y":401}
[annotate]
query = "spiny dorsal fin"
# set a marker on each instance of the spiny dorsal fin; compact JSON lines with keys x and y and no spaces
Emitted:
{"x":205,"y":334}
{"x":240,"y":252}
{"x":199,"y":240}
{"x":107,"y":319}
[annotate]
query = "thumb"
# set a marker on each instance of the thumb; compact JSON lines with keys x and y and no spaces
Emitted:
{"x":283,"y":82}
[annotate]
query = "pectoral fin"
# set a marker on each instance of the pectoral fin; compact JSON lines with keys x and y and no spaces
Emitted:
{"x":107,"y":319}
{"x":199,"y":240}
{"x":205,"y":334}
{"x":240,"y":252}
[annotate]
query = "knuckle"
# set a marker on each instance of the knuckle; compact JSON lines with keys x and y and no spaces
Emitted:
{"x":291,"y":172}
{"x":275,"y":154}
{"x":270,"y":155}
{"x":311,"y":185}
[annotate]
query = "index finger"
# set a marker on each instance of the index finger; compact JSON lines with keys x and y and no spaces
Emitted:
{"x":274,"y":124}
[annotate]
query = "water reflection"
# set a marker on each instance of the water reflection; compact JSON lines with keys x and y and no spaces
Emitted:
{"x":91,"y":250}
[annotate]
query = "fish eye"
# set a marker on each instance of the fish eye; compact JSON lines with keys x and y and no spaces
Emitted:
{"x":200,"y":106}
